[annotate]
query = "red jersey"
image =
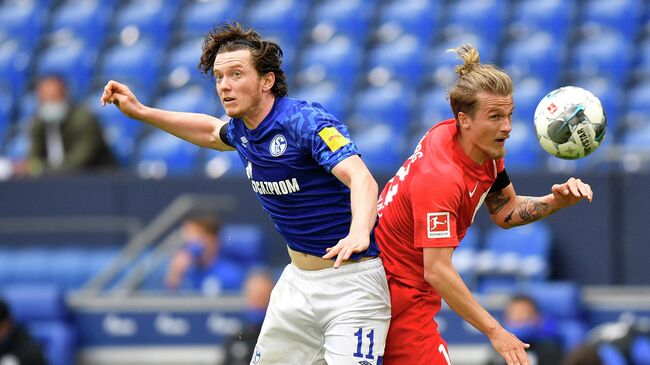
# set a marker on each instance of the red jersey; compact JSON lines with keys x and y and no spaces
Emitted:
{"x":430,"y":202}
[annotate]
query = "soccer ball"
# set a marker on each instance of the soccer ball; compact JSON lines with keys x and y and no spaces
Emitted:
{"x":570,"y":123}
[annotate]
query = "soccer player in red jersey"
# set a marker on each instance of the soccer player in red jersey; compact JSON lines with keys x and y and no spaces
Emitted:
{"x":427,"y":207}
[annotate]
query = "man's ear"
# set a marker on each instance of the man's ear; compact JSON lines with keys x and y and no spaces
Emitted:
{"x":268,"y":81}
{"x":463,"y":120}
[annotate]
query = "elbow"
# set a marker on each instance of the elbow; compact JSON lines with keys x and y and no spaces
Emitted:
{"x":432,"y":276}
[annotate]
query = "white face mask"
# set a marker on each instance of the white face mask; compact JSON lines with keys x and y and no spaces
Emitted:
{"x":52,"y":112}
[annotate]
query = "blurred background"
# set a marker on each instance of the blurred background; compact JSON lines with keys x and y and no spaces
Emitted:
{"x":88,"y":239}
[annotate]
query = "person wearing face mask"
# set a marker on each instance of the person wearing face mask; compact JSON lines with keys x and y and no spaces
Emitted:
{"x":197,"y":266}
{"x":523,"y":318}
{"x":65,"y":137}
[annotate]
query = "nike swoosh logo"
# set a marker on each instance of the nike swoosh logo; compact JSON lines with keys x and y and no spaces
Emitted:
{"x":471,"y":193}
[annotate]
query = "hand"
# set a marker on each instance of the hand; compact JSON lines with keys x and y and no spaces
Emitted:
{"x":123,"y":98}
{"x":510,"y":347}
{"x":346,"y":247}
{"x":571,"y":192}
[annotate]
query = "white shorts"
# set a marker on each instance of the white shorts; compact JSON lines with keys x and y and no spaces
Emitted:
{"x":332,"y":316}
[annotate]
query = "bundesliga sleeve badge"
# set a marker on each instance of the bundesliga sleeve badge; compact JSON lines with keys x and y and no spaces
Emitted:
{"x":333,"y":138}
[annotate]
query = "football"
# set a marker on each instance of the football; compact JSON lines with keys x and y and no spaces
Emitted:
{"x":570,"y":122}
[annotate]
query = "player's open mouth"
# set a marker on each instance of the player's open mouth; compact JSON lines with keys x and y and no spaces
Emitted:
{"x":228,"y":100}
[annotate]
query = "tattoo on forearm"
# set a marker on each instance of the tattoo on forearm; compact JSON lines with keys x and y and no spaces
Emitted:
{"x":496,"y":201}
{"x":530,"y":210}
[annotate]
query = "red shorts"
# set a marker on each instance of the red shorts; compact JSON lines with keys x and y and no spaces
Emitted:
{"x":413,"y":336}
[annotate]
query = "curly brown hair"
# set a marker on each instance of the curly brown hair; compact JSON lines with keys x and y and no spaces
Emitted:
{"x":232,"y":36}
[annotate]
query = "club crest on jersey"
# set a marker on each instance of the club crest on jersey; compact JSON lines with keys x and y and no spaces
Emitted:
{"x":438,"y":225}
{"x":278,"y":145}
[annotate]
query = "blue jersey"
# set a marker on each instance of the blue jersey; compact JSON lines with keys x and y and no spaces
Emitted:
{"x":288,"y":160}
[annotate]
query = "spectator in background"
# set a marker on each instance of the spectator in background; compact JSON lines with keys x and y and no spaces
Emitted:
{"x":583,"y":355}
{"x":523,"y":318}
{"x":198,"y":262}
{"x":257,"y":294}
{"x":16,"y":345}
{"x":65,"y":137}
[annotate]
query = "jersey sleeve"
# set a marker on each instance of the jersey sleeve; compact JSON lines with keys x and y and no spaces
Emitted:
{"x":435,"y":204}
{"x":322,"y":135}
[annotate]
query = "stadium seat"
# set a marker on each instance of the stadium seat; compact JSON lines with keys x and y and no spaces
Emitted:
{"x":349,"y":18}
{"x":389,"y":104}
{"x":22,"y":19}
{"x":151,"y":18}
{"x":522,"y":150}
{"x":58,"y":340}
{"x":528,"y":93}
{"x":433,"y":108}
{"x":537,"y":56}
{"x":399,"y":59}
{"x":640,"y":351}
{"x":84,"y":19}
{"x":161,"y":154}
{"x":326,"y":94}
{"x":337,"y":61}
{"x":635,"y":144}
{"x":282,"y":19}
{"x":242,"y":244}
{"x":200,"y":16}
{"x":608,"y":54}
{"x":382,"y":147}
{"x":482,"y":18}
{"x":513,"y":256}
{"x":611,"y":96}
{"x":138,"y":63}
{"x":531,"y":17}
{"x":621,"y":16}
{"x":464,"y":257}
{"x":418,"y":18}
{"x":218,"y":164}
{"x":6,"y":104}
{"x":638,"y":106}
{"x":181,"y":65}
{"x":14,"y":62}
{"x":610,"y":355}
{"x":72,"y":60}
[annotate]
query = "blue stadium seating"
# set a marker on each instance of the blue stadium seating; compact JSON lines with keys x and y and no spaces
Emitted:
{"x":152,"y":19}
{"x":638,"y":104}
{"x":14,"y":62}
{"x":483,"y":18}
{"x":441,"y":63}
{"x":72,"y":60}
{"x":350,"y":18}
{"x":433,"y":108}
{"x":536,"y":56}
{"x":22,"y":19}
{"x":6,"y":103}
{"x":521,"y":151}
{"x":607,"y":54}
{"x":279,"y":18}
{"x":418,"y":18}
{"x":622,"y":16}
{"x":389,"y":104}
{"x":542,"y":16}
{"x":138,"y":63}
{"x":85,"y":19}
{"x":161,"y":154}
{"x":610,"y":355}
{"x":337,"y":61}
{"x":326,"y":94}
{"x":200,"y":16}
{"x":242,"y":244}
{"x":219,"y":164}
{"x":640,"y":351}
{"x":400,"y":58}
{"x":464,"y":258}
{"x":41,"y":308}
{"x":181,"y":65}
{"x":611,"y":96}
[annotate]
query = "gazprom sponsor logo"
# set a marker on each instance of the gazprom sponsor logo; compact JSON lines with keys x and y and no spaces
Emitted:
{"x":169,"y":325}
{"x":115,"y":325}
{"x":222,"y":325}
{"x":282,"y":187}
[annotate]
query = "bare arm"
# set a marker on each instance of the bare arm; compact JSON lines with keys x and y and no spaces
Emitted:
{"x":177,"y":268}
{"x":200,"y":129}
{"x":363,"y":200}
{"x":442,"y":276}
{"x":507,"y":209}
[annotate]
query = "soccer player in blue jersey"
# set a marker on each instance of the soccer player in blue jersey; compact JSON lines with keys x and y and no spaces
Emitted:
{"x":307,"y":174}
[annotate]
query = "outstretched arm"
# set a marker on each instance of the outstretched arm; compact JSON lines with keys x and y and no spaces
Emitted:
{"x":442,"y":276}
{"x":200,"y":129}
{"x":507,"y":209}
{"x":363,"y":200}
